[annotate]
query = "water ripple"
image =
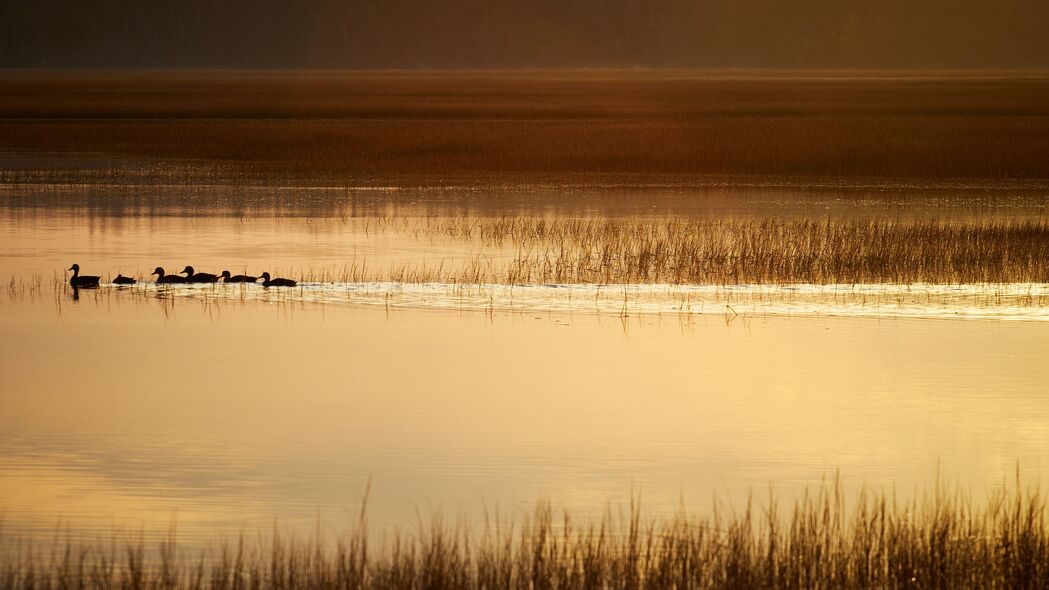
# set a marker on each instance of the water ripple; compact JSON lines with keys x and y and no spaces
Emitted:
{"x":1014,"y":301}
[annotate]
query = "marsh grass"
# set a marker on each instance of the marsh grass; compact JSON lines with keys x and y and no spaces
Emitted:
{"x":609,"y":251}
{"x":679,"y":265}
{"x":686,"y":265}
{"x":940,"y":539}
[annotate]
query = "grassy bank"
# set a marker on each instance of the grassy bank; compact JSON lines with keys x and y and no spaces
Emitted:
{"x":942,"y":540}
{"x":526,"y":127}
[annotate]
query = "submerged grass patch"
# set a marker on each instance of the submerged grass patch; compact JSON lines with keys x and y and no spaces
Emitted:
{"x":941,"y":539}
{"x":679,"y":252}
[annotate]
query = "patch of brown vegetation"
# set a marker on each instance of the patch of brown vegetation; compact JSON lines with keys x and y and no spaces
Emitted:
{"x":541,"y":127}
{"x":534,"y":250}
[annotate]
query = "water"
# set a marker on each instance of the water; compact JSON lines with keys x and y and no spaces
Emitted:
{"x":1008,"y":301}
{"x":228,"y":408}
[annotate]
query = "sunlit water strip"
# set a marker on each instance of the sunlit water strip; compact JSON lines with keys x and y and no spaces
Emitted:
{"x":1015,"y":301}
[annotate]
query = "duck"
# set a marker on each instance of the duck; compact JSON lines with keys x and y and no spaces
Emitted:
{"x":122,"y":280}
{"x":237,"y":278}
{"x":164,"y":278}
{"x":198,"y":277}
{"x":268,"y":282}
{"x":83,"y":282}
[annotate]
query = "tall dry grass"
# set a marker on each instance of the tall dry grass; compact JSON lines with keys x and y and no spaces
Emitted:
{"x":940,"y":540}
{"x":537,"y":250}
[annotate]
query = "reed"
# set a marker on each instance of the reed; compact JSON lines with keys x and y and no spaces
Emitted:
{"x":537,"y":250}
{"x":940,"y":539}
{"x":528,"y":250}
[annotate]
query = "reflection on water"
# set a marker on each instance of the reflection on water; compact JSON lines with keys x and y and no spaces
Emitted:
{"x":1011,"y":301}
{"x":232,"y":406}
{"x":231,"y":415}
{"x":124,"y":201}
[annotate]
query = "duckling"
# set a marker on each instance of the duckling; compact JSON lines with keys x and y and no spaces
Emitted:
{"x":237,"y":278}
{"x":163,"y":278}
{"x":268,"y":282}
{"x":83,"y":282}
{"x":122,"y":280}
{"x":198,"y":277}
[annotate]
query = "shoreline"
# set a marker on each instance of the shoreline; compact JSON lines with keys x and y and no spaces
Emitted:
{"x":569,"y":129}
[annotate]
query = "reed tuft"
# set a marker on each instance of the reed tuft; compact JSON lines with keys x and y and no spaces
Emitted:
{"x":938,"y":540}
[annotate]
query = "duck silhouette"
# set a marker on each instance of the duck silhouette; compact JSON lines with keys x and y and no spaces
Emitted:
{"x":122,"y":280}
{"x":268,"y":282}
{"x":84,"y":282}
{"x":199,"y":277}
{"x":165,"y":278}
{"x":225,"y":276}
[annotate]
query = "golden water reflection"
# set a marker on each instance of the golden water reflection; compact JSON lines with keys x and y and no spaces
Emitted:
{"x":232,"y":416}
{"x":121,"y":411}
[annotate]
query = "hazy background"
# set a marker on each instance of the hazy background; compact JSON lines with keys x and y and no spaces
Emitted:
{"x":524,"y":33}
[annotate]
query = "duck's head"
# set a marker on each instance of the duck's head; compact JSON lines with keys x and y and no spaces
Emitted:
{"x":188,"y":270}
{"x":265,"y":276}
{"x":74,"y":268}
{"x":224,"y":275}
{"x":157,"y":271}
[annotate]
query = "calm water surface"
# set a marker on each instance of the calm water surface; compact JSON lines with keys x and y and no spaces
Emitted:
{"x":124,"y":410}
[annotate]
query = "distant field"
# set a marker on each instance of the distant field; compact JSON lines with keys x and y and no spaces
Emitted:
{"x":569,"y":128}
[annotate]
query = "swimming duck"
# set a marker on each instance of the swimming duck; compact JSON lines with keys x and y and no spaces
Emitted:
{"x":268,"y":282}
{"x":163,"y":278}
{"x":79,"y":281}
{"x":237,"y":278}
{"x":198,"y":277}
{"x":122,"y":280}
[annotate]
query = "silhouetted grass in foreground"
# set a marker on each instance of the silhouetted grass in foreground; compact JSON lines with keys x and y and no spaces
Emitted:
{"x":942,"y":540}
